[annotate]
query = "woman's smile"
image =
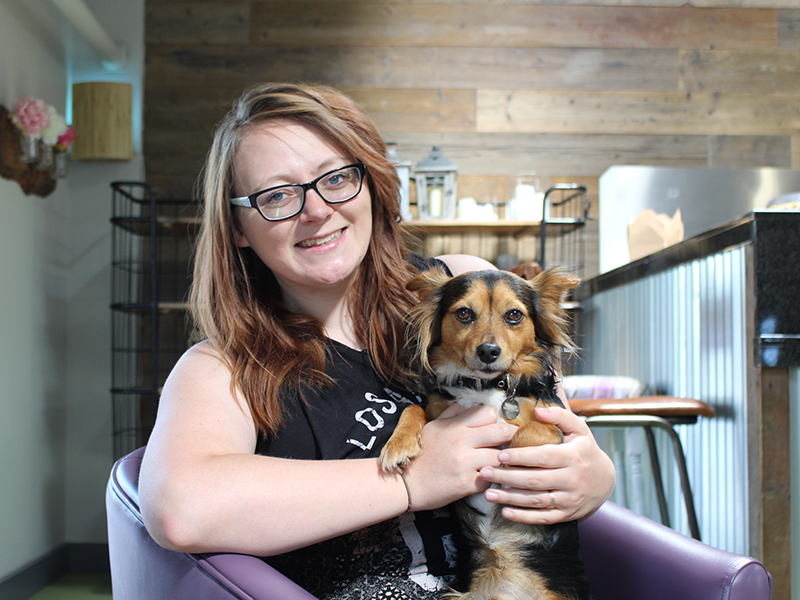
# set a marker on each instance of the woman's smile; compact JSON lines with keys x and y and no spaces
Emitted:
{"x":321,"y":241}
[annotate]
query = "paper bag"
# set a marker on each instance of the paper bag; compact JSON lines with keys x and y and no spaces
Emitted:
{"x":651,"y":232}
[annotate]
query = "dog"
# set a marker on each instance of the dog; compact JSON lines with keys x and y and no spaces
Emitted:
{"x":493,"y":338}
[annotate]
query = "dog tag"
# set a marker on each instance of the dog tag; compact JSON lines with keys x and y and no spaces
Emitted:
{"x":510,"y":409}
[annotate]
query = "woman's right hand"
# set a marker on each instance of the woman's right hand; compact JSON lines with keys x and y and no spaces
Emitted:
{"x":456,"y":446}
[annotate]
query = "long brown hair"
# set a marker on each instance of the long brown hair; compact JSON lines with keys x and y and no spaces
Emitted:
{"x":235,"y":299}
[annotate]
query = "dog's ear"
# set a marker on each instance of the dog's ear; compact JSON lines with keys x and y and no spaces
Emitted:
{"x":424,"y":322}
{"x":550,"y":318}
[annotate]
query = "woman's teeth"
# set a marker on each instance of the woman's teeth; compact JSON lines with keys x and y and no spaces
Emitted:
{"x":320,"y":241}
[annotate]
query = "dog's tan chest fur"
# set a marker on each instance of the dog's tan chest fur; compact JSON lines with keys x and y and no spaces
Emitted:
{"x":470,"y":398}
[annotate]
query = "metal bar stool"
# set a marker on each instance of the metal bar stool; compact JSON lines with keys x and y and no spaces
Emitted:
{"x":647,"y":412}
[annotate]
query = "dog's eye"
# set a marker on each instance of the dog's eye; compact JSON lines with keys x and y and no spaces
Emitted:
{"x":514,"y":316}
{"x":465,"y":315}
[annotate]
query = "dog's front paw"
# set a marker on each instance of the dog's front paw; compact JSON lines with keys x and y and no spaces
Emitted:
{"x":405,"y":444}
{"x":536,"y":433}
{"x":398,"y":452}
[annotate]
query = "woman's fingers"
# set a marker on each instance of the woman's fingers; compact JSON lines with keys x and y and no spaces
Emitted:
{"x":551,"y":483}
{"x":566,"y":420}
{"x":455,"y":447}
{"x":481,"y":423}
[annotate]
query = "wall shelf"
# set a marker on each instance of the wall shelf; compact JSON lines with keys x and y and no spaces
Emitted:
{"x":457,"y":227}
{"x":30,"y":179}
{"x":558,"y":240}
{"x":510,"y":228}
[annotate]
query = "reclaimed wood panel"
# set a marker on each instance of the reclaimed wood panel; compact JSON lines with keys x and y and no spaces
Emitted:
{"x":487,"y":246}
{"x":198,"y":2}
{"x":418,"y":109}
{"x":392,"y":109}
{"x":748,"y":151}
{"x":197,"y":22}
{"x":656,"y":113}
{"x":486,"y":157}
{"x":512,"y":154}
{"x":435,"y":67}
{"x":511,"y":25}
{"x":776,"y":72}
{"x":172,"y":187}
{"x":209,"y":104}
{"x":796,"y":152}
{"x":174,"y":160}
{"x":485,"y":189}
{"x":789,"y":28}
{"x":774,"y":494}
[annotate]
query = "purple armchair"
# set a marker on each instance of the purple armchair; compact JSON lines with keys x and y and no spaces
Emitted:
{"x":627,"y":557}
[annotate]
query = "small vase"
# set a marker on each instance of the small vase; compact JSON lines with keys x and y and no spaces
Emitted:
{"x":59,"y":168}
{"x":30,"y":148}
{"x":45,"y":157}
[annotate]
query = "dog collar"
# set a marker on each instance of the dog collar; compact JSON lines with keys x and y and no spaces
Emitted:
{"x":509,"y":407}
{"x":478,"y":384}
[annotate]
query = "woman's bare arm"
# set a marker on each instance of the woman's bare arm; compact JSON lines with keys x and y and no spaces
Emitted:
{"x":202,"y":489}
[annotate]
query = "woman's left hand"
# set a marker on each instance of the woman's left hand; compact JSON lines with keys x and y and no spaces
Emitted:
{"x":553,"y":483}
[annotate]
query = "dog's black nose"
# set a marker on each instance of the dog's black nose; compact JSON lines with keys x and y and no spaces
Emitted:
{"x":488,"y":353}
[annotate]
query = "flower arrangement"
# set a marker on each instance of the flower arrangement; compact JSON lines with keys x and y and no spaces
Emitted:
{"x":45,"y":134}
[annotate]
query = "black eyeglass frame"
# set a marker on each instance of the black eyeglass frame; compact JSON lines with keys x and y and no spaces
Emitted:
{"x":250,"y":200}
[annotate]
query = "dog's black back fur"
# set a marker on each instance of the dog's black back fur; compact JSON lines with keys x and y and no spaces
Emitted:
{"x":559,"y":561}
{"x":556,"y":558}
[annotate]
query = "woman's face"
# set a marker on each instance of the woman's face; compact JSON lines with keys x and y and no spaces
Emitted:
{"x":321,"y":248}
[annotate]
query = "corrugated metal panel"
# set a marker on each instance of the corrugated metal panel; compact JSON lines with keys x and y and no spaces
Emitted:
{"x":683,"y":332}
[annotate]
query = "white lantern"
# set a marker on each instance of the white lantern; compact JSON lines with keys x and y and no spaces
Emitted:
{"x":436,"y":187}
{"x":403,"y":168}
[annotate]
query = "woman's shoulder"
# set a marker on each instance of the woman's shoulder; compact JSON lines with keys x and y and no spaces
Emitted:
{"x":201,"y":365}
{"x":453,"y":264}
{"x":204,"y":353}
{"x":464,"y":263}
{"x":200,"y":383}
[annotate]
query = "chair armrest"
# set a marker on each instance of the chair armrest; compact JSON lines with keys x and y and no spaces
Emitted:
{"x":629,"y":556}
{"x":143,"y":570}
{"x":251,"y":575}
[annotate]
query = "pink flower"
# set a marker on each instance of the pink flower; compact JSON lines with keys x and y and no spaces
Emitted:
{"x":65,"y":139}
{"x":30,"y":116}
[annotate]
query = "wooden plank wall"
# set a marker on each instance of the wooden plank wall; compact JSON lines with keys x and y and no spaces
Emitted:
{"x":505,"y":88}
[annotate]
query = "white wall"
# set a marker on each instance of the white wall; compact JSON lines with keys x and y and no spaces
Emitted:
{"x":55,"y":418}
{"x":89,"y":447}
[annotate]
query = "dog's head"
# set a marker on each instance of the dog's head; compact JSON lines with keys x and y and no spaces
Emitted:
{"x":487,"y":323}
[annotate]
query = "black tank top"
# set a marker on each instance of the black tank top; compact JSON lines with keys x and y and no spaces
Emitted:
{"x":412,"y":556}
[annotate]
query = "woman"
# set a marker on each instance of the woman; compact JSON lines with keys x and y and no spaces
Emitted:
{"x":268,"y":431}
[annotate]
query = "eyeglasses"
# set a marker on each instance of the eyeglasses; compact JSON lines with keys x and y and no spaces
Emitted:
{"x":285,"y":201}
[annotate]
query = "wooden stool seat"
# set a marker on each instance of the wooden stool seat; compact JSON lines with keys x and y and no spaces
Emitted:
{"x":667,"y":407}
